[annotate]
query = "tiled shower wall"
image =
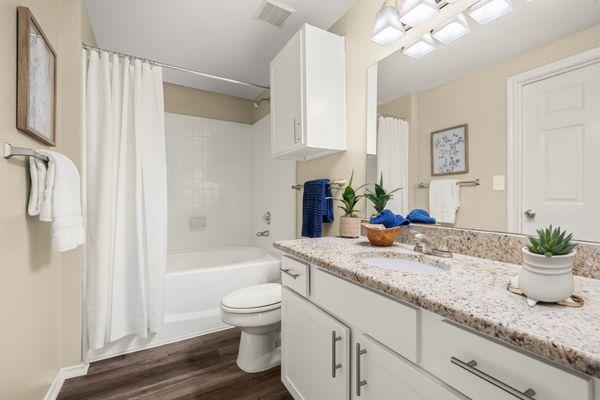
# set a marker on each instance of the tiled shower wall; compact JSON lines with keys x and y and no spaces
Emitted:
{"x":209,"y":167}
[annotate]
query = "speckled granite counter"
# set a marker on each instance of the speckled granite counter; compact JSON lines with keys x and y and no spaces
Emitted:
{"x":472,"y":292}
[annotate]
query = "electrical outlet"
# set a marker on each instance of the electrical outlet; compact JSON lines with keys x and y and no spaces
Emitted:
{"x":197,"y":223}
{"x":498,"y":182}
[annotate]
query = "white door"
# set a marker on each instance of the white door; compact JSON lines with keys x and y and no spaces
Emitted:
{"x":561,"y":153}
{"x":381,"y":374}
{"x":315,"y":351}
{"x":286,"y":97}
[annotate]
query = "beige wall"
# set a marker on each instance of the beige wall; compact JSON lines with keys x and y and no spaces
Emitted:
{"x":87,"y":32}
{"x":202,"y":103}
{"x":40,"y":291}
{"x":356,"y":25}
{"x":480,"y":101}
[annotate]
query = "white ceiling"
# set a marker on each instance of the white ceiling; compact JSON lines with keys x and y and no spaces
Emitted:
{"x":219,"y":37}
{"x":531,"y":24}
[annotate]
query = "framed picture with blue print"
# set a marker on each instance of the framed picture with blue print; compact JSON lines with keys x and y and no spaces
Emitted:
{"x":450,"y":151}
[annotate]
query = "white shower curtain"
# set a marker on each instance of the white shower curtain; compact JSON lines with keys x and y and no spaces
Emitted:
{"x":126,"y":198}
{"x":392,"y":160}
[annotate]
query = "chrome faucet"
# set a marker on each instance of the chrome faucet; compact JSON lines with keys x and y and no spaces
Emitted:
{"x":263,"y":233}
{"x":424,"y":245}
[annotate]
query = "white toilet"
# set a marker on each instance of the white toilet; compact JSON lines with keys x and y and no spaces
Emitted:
{"x":257,"y":311}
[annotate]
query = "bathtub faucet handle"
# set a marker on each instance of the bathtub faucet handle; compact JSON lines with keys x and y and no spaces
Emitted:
{"x":263,"y":234}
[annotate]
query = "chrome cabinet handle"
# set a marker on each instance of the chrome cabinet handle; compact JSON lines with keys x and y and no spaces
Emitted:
{"x":470,"y":367}
{"x":529,"y":214}
{"x":334,"y":364}
{"x":296,"y":137}
{"x":287,"y":271}
{"x":359,"y":383}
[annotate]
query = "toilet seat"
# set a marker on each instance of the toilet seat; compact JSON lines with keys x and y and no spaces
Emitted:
{"x":253,"y":299}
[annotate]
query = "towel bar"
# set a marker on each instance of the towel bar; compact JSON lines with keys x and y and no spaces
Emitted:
{"x":12,"y":151}
{"x":474,"y":182}
{"x":337,"y":184}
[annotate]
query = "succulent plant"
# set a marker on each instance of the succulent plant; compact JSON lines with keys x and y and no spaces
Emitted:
{"x":350,"y":198}
{"x":380,"y":197}
{"x":551,"y":242}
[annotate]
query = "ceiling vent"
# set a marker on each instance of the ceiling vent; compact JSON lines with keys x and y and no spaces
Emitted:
{"x":274,"y":13}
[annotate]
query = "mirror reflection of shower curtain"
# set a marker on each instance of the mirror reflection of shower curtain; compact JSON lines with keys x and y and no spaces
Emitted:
{"x":392,"y":160}
{"x":126,"y":179}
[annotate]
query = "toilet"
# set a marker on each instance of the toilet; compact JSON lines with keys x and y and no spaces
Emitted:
{"x":257,"y":311}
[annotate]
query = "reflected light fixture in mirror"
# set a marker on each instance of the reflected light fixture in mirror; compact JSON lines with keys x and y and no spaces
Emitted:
{"x":456,"y":28}
{"x":414,"y":12}
{"x":421,"y":48}
{"x":486,"y":11}
{"x":387,"y":27}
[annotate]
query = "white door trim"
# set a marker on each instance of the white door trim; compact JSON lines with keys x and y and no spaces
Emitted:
{"x":516,"y":85}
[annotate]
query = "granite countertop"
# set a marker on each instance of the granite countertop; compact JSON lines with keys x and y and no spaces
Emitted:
{"x":472,"y":291}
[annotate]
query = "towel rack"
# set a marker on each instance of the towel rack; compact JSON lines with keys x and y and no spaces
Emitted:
{"x":337,"y":183}
{"x":474,"y":182}
{"x":12,"y":151}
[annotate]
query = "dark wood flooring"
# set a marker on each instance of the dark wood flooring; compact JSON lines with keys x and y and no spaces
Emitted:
{"x":200,"y":368}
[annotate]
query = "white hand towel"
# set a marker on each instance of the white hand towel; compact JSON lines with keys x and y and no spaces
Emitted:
{"x":37,"y":171}
{"x":62,"y":202}
{"x":444,"y":197}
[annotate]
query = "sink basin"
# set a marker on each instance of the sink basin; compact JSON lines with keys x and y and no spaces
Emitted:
{"x":400,"y":264}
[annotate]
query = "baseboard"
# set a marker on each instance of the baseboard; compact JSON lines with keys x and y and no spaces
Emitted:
{"x":64,"y":374}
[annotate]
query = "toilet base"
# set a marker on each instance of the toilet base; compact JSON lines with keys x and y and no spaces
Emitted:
{"x":260,"y":348}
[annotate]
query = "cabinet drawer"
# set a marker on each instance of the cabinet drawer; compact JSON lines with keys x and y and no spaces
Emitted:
{"x":481,"y":367}
{"x":295,"y":275}
{"x":385,"y":320}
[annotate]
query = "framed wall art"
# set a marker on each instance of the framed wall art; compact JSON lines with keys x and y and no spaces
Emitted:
{"x":36,"y":80}
{"x":450,"y":151}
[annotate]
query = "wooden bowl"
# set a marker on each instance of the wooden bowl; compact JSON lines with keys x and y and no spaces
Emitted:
{"x":382,"y":237}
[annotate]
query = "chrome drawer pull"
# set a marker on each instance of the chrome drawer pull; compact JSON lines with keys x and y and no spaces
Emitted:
{"x":334,"y":363}
{"x":287,"y":271}
{"x":470,"y":367}
{"x":359,"y":383}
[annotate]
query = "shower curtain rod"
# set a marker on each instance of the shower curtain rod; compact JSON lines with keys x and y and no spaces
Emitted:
{"x":177,"y":68}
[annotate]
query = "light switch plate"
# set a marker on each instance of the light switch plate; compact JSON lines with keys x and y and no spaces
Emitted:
{"x":498,"y":182}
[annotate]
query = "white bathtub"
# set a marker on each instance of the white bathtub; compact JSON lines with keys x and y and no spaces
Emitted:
{"x":195,"y":284}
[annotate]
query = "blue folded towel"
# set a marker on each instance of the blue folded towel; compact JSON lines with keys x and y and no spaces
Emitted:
{"x":389,"y":219}
{"x":420,"y":216}
{"x":317,"y":207}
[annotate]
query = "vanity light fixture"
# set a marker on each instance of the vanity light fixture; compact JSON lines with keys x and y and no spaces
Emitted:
{"x":414,"y":12}
{"x":387,"y":27}
{"x":420,"y":48}
{"x":450,"y":31}
{"x":486,"y":11}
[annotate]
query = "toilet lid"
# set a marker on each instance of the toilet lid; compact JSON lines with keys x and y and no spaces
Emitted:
{"x":258,"y":296}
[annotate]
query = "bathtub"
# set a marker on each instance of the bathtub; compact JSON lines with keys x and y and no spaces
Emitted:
{"x":196,"y":282}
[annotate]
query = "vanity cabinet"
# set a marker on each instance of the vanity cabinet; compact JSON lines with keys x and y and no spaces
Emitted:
{"x":315,"y":351}
{"x":308,"y":96}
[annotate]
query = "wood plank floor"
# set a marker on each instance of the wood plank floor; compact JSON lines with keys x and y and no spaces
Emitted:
{"x":200,"y":368}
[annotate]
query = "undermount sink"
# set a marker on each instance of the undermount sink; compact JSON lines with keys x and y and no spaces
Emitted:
{"x":401,"y":264}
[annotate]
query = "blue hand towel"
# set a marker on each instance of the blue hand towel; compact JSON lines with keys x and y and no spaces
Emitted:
{"x":420,"y":216}
{"x":389,"y":219}
{"x":317,"y":207}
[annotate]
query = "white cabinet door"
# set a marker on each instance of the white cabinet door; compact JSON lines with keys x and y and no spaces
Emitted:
{"x":315,"y":351}
{"x":381,"y":374}
{"x":286,"y":97}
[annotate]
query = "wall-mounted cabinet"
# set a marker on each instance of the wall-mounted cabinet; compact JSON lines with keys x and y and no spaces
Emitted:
{"x":308,"y":96}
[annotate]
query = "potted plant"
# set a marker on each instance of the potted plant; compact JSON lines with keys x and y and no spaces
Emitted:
{"x":350,"y":221}
{"x":547,"y":273}
{"x":380,"y":197}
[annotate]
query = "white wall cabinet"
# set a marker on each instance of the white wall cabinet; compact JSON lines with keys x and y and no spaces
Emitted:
{"x":308,"y":96}
{"x":315,"y":351}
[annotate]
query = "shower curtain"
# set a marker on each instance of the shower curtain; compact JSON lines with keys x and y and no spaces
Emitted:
{"x":126,"y":198}
{"x":392,"y":160}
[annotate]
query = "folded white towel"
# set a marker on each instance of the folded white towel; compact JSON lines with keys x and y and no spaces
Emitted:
{"x":444,"y":197}
{"x":62,"y":202}
{"x":37,"y":171}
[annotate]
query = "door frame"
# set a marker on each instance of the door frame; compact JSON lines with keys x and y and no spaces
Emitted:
{"x":516,"y":85}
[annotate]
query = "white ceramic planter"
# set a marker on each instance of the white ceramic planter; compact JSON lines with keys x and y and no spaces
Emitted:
{"x":350,"y":227}
{"x":548,"y":279}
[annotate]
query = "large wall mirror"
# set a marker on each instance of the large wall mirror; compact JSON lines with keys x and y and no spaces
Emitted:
{"x":509,"y":109}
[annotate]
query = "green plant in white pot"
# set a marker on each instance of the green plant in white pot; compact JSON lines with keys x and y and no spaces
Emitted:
{"x":350,"y":221}
{"x":547,"y":273}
